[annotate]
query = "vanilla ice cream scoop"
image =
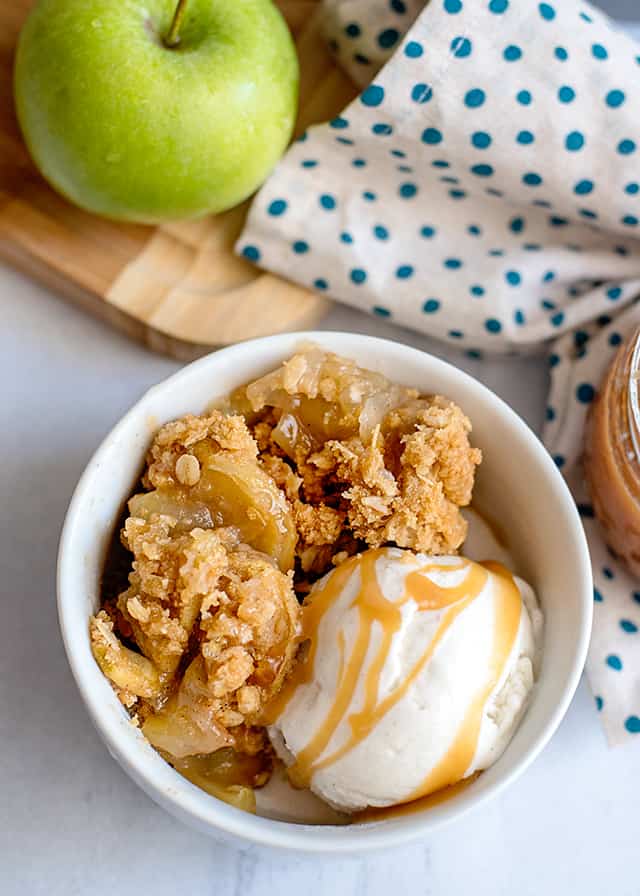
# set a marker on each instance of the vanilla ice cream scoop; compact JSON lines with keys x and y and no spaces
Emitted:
{"x":416,"y":673}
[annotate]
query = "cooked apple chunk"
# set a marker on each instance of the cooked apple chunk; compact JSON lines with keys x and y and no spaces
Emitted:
{"x":394,"y":466}
{"x":207,"y":601}
{"x":206,"y":474}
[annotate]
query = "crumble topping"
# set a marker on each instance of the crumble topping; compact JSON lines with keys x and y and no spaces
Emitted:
{"x":205,"y":601}
{"x":401,"y":479}
{"x":226,"y":433}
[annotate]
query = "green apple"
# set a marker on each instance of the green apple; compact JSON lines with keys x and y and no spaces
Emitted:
{"x":148,"y":110}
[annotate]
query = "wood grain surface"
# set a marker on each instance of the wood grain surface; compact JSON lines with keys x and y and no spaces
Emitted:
{"x":179,"y":289}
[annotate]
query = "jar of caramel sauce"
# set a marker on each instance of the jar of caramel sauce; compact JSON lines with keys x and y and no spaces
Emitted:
{"x":612,"y":454}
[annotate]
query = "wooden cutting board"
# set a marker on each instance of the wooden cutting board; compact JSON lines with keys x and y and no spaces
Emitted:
{"x":178,"y":288}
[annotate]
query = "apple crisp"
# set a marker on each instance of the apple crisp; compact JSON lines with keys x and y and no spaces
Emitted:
{"x":240,"y":510}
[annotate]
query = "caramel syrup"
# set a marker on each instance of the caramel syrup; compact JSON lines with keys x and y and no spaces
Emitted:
{"x":373,"y":607}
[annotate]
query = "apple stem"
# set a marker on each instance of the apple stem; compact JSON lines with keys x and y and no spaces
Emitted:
{"x":173,"y":37}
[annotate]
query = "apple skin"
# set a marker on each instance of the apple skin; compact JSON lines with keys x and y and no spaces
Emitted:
{"x":125,"y":127}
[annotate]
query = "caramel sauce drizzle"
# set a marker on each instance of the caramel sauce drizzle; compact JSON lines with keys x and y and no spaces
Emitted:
{"x":457,"y":759}
{"x":312,"y":613}
{"x":373,"y":607}
{"x":419,"y":805}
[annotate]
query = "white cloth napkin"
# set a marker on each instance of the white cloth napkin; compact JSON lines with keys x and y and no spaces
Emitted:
{"x":484,"y":188}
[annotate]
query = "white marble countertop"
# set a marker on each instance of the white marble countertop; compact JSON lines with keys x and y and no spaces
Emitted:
{"x":71,"y":822}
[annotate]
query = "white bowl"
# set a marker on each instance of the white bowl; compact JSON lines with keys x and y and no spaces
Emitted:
{"x":518,"y":484}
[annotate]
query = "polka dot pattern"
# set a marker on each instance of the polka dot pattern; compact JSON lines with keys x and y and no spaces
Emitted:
{"x":431,"y":136}
{"x":474,"y":98}
{"x":277,"y":207}
{"x":327,"y":202}
{"x":252,"y":253}
{"x":583,"y":187}
{"x":481,"y":139}
{"x":482,"y":170}
{"x":476,"y":208}
{"x":461,"y":47}
{"x":615,"y":98}
{"x":512,"y":53}
{"x":566,"y":94}
{"x":632,"y":724}
{"x":372,"y":96}
{"x":407,"y":190}
{"x":574,"y":141}
{"x":421,"y":93}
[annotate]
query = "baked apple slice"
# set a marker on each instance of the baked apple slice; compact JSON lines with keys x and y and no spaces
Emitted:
{"x":230,"y":491}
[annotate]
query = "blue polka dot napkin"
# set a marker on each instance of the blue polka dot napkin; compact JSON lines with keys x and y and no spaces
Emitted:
{"x":484,"y":188}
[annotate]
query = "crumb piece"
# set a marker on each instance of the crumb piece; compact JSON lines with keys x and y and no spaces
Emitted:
{"x":228,"y":432}
{"x":318,"y":524}
{"x":251,"y":639}
{"x":131,"y":674}
{"x":160,"y":610}
{"x":407,"y":485}
{"x":315,"y":559}
{"x":249,"y":700}
{"x":127,"y":698}
{"x":251,"y":740}
{"x":262,"y":434}
{"x":188,"y":469}
{"x":440,"y":446}
{"x":248,"y":635}
{"x":283,"y":475}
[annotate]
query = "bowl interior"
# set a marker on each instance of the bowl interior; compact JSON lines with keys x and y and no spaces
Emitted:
{"x":518,"y":486}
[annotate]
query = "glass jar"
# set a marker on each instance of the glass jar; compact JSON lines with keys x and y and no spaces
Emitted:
{"x":612,"y":454}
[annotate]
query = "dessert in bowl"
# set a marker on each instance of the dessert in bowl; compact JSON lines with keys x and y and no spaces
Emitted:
{"x":338,"y":481}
